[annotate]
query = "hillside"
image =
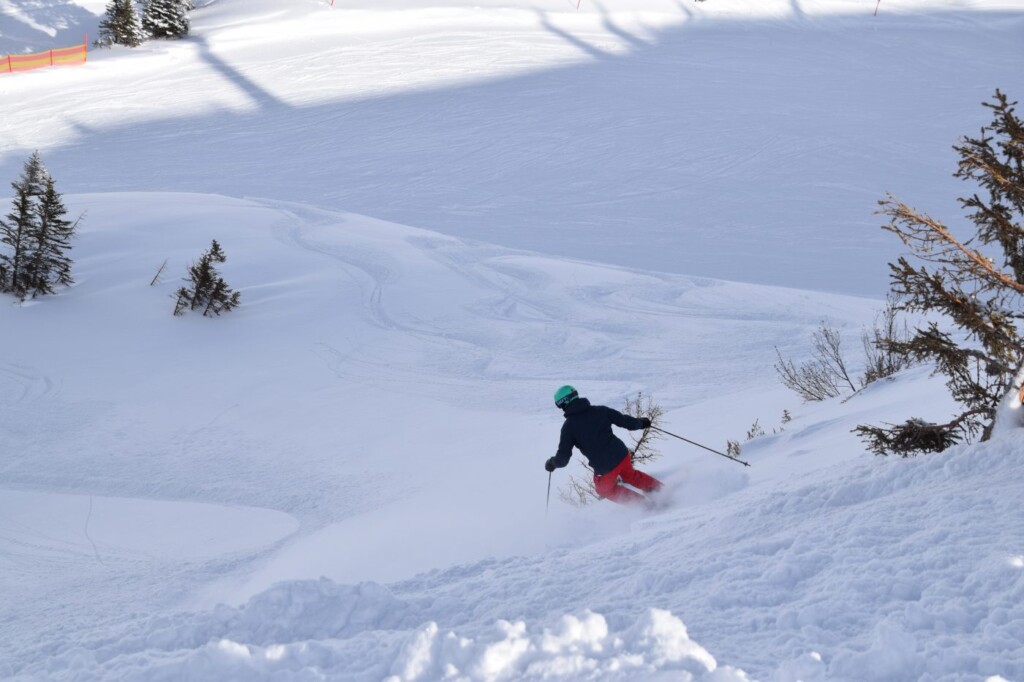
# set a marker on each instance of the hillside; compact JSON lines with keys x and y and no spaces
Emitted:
{"x":436,"y":213}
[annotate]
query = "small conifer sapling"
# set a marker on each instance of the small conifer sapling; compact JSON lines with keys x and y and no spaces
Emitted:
{"x":207,"y":290}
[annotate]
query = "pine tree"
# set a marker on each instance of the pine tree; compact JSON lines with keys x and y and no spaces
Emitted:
{"x":37,"y":234}
{"x":121,"y":26}
{"x":983,"y":299}
{"x":33,"y":175}
{"x":15,"y":232}
{"x":208,"y":290}
{"x":51,"y":264}
{"x":165,"y":19}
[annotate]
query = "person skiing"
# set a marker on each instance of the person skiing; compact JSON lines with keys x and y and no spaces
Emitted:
{"x":589,"y":428}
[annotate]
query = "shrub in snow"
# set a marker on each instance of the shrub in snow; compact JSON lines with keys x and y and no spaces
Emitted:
{"x":207,"y":291}
{"x":641,"y":446}
{"x":755,"y":430}
{"x":121,"y":25}
{"x":37,"y":236}
{"x":826,"y":374}
{"x":165,"y":19}
{"x":980,"y":296}
{"x":883,"y":355}
{"x":913,"y":436}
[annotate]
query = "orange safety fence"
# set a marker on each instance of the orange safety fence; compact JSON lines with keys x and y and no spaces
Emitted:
{"x":60,"y":56}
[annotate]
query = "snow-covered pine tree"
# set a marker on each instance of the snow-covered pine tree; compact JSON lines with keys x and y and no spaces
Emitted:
{"x":121,"y":25}
{"x":208,"y":290}
{"x":165,"y":19}
{"x":37,"y":234}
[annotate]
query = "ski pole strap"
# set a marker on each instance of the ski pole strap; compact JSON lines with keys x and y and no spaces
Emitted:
{"x":669,"y":433}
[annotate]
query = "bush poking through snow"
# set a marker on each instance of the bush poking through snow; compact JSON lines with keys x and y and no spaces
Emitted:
{"x":643,"y":450}
{"x":826,"y":374}
{"x":912,"y":437}
{"x":208,"y":290}
{"x":883,"y":354}
{"x":733,"y":447}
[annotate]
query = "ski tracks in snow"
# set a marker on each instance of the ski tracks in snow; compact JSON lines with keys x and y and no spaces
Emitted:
{"x":20,"y":383}
{"x":502,"y":315}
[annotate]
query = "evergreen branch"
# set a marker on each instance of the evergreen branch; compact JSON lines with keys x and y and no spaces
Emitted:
{"x":923,"y":243}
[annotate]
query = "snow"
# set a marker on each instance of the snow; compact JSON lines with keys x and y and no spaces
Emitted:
{"x":149,"y":527}
{"x":436,"y":213}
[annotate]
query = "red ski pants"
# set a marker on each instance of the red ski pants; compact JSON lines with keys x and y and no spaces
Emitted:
{"x":608,"y":486}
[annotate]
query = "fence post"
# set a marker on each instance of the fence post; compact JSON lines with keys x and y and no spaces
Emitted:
{"x":10,"y":67}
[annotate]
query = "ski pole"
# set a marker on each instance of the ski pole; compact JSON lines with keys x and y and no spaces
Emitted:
{"x":548,"y":505}
{"x":669,"y":433}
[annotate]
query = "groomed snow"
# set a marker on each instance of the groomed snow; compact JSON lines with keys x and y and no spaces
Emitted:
{"x":436,"y":213}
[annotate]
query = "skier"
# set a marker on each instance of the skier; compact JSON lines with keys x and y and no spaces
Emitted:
{"x":589,"y":428}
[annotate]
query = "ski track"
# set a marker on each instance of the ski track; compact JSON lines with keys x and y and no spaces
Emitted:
{"x":19,"y":384}
{"x":504,"y":308}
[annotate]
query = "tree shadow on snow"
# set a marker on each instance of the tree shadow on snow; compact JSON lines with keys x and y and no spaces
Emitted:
{"x":258,"y":95}
{"x":746,"y":150}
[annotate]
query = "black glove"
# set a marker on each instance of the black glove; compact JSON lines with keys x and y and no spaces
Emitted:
{"x":549,"y":465}
{"x":646,"y":422}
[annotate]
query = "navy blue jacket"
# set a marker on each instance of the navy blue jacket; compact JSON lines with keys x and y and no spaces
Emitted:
{"x":589,"y":427}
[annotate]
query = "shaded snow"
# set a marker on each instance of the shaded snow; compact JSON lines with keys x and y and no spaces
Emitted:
{"x":745,"y":141}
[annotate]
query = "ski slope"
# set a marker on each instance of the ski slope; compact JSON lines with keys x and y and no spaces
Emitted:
{"x":436,"y":213}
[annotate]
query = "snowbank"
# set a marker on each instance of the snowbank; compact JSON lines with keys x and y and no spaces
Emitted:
{"x":318,"y":630}
{"x":886,"y":570}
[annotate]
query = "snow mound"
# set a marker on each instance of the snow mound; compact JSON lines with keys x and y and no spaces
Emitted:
{"x":315,"y":630}
{"x":580,"y":647}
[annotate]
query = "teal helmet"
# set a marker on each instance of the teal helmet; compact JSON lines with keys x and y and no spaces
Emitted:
{"x":565,"y":395}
